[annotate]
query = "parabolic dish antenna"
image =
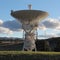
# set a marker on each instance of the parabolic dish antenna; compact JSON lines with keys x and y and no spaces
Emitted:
{"x":30,"y":20}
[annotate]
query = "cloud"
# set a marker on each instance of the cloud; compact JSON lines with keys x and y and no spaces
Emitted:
{"x":17,"y":26}
{"x":9,"y":27}
{"x":1,"y":22}
{"x":41,"y":27}
{"x":52,"y":35}
{"x":58,"y":28}
{"x":58,"y":34}
{"x":12,"y":25}
{"x":51,"y":23}
{"x":5,"y":30}
{"x":48,"y":35}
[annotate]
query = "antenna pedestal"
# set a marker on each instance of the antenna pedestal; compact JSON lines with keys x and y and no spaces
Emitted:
{"x":29,"y":42}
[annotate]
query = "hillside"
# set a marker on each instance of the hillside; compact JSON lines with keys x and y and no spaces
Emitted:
{"x":51,"y":44}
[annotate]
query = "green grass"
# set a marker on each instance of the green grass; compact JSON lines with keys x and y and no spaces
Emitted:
{"x":28,"y":52}
{"x":29,"y":55}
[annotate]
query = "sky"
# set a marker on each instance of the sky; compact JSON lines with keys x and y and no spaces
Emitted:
{"x":9,"y":25}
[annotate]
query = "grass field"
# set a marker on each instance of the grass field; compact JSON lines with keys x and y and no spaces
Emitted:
{"x":28,"y":52}
{"x":29,"y":55}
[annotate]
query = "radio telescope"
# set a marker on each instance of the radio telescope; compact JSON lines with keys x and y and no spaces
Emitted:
{"x":30,"y":20}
